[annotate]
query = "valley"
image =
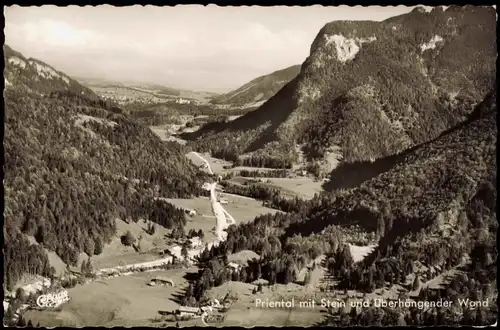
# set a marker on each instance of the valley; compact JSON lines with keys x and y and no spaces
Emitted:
{"x":99,"y":303}
{"x":357,"y":188}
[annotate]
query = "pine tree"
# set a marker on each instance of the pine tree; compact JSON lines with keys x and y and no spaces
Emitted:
{"x":184,"y":251}
{"x":84,"y":268}
{"x":21,"y":322}
{"x":98,"y":246}
{"x":416,"y":283}
{"x":128,"y":239}
{"x":307,"y":278}
{"x":89,"y":267}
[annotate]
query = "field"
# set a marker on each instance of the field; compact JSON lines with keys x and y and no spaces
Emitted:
{"x":303,"y":187}
{"x":117,"y":254}
{"x":242,"y":209}
{"x":360,"y":252}
{"x":125,"y":300}
{"x":248,"y":312}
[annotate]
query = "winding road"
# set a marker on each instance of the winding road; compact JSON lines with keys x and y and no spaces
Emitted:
{"x":222,"y":217}
{"x":223,"y":220}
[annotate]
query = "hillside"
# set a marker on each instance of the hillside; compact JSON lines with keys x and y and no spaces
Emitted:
{"x":369,"y":90}
{"x":259,"y":89}
{"x":433,"y":211}
{"x":32,"y":75}
{"x":73,"y":166}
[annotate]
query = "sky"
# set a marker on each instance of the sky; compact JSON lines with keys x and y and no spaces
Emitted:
{"x":193,"y":47}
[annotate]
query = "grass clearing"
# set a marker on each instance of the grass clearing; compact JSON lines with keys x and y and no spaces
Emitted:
{"x":242,"y":257}
{"x":360,"y":252}
{"x":245,"y":209}
{"x":125,"y":300}
{"x":303,"y":187}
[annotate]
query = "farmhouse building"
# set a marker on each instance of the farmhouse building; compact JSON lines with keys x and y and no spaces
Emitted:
{"x":175,"y":251}
{"x":188,"y":311}
{"x":195,"y":242}
{"x":190,"y":212}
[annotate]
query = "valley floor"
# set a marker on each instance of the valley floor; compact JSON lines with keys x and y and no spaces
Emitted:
{"x":129,"y":301}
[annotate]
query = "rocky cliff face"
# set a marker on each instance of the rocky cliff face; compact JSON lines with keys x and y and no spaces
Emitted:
{"x":32,"y":75}
{"x":371,"y":89}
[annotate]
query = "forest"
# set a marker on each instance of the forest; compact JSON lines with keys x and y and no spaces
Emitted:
{"x":391,"y":97}
{"x":440,"y":227}
{"x":72,"y":167}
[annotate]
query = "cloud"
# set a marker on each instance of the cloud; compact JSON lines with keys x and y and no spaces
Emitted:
{"x":185,"y":45}
{"x":51,"y":33}
{"x":163,"y":53}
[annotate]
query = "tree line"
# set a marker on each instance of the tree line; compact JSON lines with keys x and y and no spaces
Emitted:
{"x":67,"y":185}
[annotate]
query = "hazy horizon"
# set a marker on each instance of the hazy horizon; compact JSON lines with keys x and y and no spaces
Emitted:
{"x":206,"y":48}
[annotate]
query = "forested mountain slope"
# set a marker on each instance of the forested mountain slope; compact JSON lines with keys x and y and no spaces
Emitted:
{"x":371,"y":89}
{"x":72,"y":166}
{"x":428,"y":180}
{"x":434,"y":209}
{"x":259,"y":89}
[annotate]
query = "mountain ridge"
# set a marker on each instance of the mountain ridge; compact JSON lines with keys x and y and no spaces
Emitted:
{"x":33,"y":75}
{"x":396,"y":68}
{"x":73,"y":165}
{"x":258,"y":90}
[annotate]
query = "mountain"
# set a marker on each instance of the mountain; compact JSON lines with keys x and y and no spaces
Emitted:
{"x":73,"y":165}
{"x":369,"y":90}
{"x":433,"y":177}
{"x":258,"y":90}
{"x":32,"y":75}
{"x":434,"y":217}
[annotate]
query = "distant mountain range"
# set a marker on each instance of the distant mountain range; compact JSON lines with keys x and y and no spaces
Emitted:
{"x":259,"y":89}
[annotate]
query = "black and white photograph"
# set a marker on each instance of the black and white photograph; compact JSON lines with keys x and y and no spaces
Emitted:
{"x":205,"y":165}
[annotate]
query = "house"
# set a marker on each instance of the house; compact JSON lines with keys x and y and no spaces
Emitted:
{"x":234,"y":266}
{"x":182,"y":101}
{"x":195,"y":242}
{"x":190,"y":212}
{"x":223,"y":201}
{"x":161,"y":281}
{"x":216,"y":303}
{"x":175,"y":251}
{"x":207,"y":309}
{"x":36,"y":286}
{"x":188,"y":311}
